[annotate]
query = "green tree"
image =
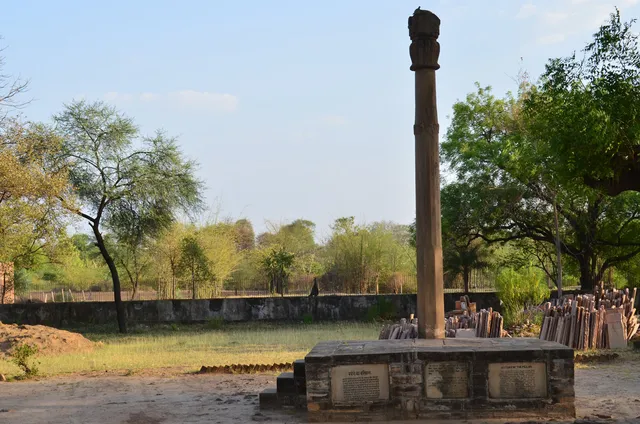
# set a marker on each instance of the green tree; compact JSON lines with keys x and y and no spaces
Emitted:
{"x":462,"y":252}
{"x":219,"y":243}
{"x":118,"y":184}
{"x":132,"y":255}
{"x":585,"y":112}
{"x":194,"y":265}
{"x":167,"y":250}
{"x":277,"y":263}
{"x":298,"y":238}
{"x":30,"y":217}
{"x":502,"y":171}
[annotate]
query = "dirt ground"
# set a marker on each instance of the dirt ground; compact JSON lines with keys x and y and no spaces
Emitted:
{"x":609,"y":390}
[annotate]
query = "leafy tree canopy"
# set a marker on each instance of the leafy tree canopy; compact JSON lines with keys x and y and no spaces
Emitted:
{"x":585,"y":112}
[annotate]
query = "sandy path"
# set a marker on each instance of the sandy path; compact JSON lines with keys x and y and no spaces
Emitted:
{"x":612,"y":389}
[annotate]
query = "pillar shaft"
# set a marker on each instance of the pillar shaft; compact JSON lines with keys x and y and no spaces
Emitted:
{"x":424,"y":29}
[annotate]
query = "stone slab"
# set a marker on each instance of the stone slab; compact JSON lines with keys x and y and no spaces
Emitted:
{"x":615,"y":330}
{"x":518,"y":380}
{"x":466,"y":333}
{"x":447,"y":380}
{"x":337,"y":351}
{"x":360,"y":383}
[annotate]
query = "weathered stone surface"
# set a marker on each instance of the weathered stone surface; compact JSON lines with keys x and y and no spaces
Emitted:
{"x":447,"y":380}
{"x":360,"y":383}
{"x":322,"y":308}
{"x":269,"y":399}
{"x":518,"y":380}
{"x":285,"y":383}
{"x":615,"y":331}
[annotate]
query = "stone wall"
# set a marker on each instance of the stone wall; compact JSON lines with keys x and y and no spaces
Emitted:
{"x":322,"y":308}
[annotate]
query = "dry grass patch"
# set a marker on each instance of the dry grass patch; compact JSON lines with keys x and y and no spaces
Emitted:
{"x":191,"y":346}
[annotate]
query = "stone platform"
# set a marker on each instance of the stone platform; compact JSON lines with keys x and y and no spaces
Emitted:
{"x":439,"y":379}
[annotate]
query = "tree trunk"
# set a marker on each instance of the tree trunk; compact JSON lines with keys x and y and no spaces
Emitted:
{"x":173,"y":280}
{"x":122,"y":323}
{"x":135,"y":289}
{"x":466,"y":276}
{"x":135,"y":281}
{"x":132,"y":280}
{"x":558,"y":251}
{"x":193,"y":283}
{"x":4,"y":287}
{"x":587,"y":279}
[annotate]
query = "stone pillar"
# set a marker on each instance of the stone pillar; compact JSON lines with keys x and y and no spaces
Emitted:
{"x":424,"y":29}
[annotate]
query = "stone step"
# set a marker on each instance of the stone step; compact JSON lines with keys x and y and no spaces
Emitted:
{"x":288,"y":384}
{"x":290,"y":401}
{"x":269,"y":399}
{"x":298,"y":369}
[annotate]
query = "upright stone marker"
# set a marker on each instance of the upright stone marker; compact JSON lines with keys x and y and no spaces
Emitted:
{"x":424,"y":29}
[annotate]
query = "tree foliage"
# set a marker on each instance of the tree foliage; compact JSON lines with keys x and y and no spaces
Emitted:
{"x":586,"y":111}
{"x":503,"y":175}
{"x":30,"y":217}
{"x":277,"y":263}
{"x":122,"y":180}
{"x":194,"y":265}
{"x":362,"y":257}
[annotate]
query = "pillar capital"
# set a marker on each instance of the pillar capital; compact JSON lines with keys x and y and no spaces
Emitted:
{"x":424,"y":29}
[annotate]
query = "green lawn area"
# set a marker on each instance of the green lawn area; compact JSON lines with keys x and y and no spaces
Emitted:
{"x":191,"y":346}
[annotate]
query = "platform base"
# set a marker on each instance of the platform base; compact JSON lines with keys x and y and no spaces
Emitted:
{"x":439,"y":379}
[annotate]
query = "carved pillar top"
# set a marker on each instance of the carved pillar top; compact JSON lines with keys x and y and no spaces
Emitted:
{"x":424,"y":29}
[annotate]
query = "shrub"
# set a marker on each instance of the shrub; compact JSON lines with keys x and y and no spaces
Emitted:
{"x":21,"y":356}
{"x":520,"y":290}
{"x":307,"y":319}
{"x":214,"y":323}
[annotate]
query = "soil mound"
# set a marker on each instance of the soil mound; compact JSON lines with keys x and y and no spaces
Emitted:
{"x":50,"y":341}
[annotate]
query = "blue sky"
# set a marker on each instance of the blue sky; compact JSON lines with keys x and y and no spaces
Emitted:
{"x":293,"y":109}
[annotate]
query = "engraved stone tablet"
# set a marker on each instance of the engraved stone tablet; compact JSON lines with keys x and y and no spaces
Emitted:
{"x":360,"y":383}
{"x":447,"y":380}
{"x":518,"y":380}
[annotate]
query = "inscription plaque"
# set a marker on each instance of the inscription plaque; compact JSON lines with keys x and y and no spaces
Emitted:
{"x":360,"y":383}
{"x":518,"y":380}
{"x":447,"y":380}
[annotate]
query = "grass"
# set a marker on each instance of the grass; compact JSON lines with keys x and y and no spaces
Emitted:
{"x":192,"y":346}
